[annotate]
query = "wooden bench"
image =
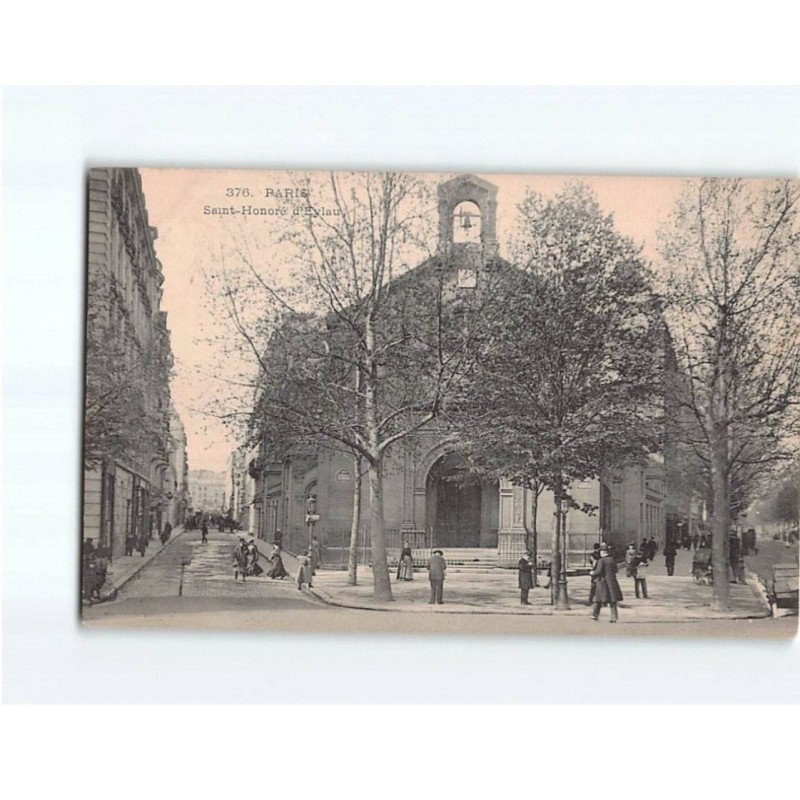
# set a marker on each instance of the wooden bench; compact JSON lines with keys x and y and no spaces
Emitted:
{"x":782,"y":586}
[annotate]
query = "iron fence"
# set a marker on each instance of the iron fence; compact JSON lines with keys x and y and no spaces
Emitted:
{"x":580,"y":545}
{"x":335,"y":547}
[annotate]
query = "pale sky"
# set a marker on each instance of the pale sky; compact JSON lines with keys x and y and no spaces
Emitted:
{"x":188,"y":240}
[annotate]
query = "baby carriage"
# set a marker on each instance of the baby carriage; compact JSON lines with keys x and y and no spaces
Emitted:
{"x":701,"y":566}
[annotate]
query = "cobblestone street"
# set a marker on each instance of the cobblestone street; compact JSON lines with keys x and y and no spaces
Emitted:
{"x":208,"y":571}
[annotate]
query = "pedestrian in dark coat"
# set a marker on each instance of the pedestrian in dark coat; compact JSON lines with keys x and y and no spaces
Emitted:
{"x":142,"y":542}
{"x":670,"y":551}
{"x":737,"y":564}
{"x":101,"y":563}
{"x":88,"y":569}
{"x":608,"y":591}
{"x":130,"y":543}
{"x":204,"y":533}
{"x":436,"y":570}
{"x":593,"y":559}
{"x":525,"y":571}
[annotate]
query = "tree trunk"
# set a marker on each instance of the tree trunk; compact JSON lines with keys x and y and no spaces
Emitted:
{"x":380,"y":569}
{"x":382,"y":588}
{"x":720,"y":521}
{"x":535,"y":532}
{"x":555,"y":562}
{"x":562,"y":597}
{"x":352,"y":558}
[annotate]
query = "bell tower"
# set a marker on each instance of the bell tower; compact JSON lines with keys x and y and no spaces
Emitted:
{"x":468,"y":219}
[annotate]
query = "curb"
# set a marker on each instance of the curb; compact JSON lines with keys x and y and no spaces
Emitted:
{"x":328,"y":599}
{"x":759,"y":590}
{"x":146,"y":562}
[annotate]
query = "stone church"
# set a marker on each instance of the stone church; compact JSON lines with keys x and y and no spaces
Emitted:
{"x":472,"y":519}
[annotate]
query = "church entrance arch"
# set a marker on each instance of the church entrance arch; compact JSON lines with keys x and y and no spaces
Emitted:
{"x":461,"y":508}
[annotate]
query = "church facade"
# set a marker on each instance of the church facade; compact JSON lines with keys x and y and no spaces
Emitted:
{"x":313,"y":494}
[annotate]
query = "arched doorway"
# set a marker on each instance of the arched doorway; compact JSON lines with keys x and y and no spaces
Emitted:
{"x":461,"y":509}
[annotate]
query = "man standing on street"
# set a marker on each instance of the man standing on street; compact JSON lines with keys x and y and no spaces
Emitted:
{"x":436,"y":574}
{"x":608,"y":591}
{"x":525,"y":568}
{"x":736,"y":558}
{"x":670,"y":551}
{"x":652,"y":548}
{"x":593,"y":559}
{"x":166,"y":533}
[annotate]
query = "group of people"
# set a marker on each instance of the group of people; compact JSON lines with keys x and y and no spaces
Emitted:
{"x":137,"y":541}
{"x":604,"y":589}
{"x":95,"y":563}
{"x":436,"y":571}
{"x":689,"y":541}
{"x":199,"y":519}
{"x":246,"y":557}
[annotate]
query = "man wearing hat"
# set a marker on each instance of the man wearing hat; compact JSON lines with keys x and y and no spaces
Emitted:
{"x":607,"y":586}
{"x":593,"y":559}
{"x":525,"y":580}
{"x":436,"y":574}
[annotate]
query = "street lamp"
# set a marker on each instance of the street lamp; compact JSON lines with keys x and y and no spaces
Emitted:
{"x":562,"y":595}
{"x":312,"y":517}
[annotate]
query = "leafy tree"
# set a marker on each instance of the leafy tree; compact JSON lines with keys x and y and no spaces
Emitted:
{"x":731,"y":253}
{"x":568,"y":379}
{"x":786,"y":505}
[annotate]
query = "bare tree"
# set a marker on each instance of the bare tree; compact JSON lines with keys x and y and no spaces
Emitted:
{"x":369,"y":352}
{"x":732,"y":283}
{"x":126,"y":409}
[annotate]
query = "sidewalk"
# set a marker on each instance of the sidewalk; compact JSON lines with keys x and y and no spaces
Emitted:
{"x":671,"y":598}
{"x":123,"y":568}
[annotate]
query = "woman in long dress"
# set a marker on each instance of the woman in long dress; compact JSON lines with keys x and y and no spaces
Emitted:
{"x":277,"y":570}
{"x":405,"y":568}
{"x":314,"y":554}
{"x":304,"y":573}
{"x":253,"y":567}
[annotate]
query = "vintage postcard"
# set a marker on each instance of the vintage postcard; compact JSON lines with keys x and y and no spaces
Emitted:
{"x":441,"y":403}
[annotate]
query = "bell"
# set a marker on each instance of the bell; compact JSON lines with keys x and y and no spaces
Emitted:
{"x":466,"y":224}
